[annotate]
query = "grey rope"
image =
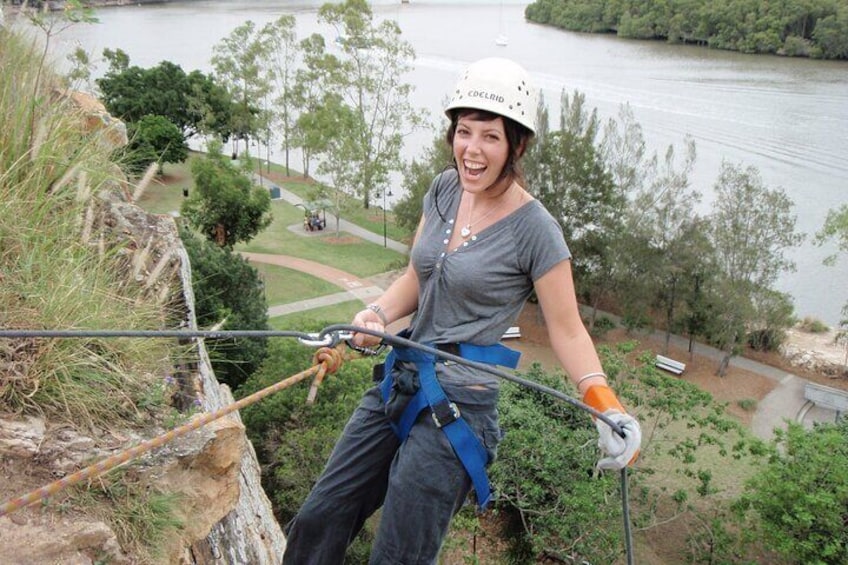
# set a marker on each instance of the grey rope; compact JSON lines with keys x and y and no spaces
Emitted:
{"x":331,"y":336}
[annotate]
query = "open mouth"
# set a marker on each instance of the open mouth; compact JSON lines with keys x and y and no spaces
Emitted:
{"x":474,"y":170}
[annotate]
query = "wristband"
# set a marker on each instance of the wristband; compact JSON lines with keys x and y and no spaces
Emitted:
{"x":602,"y":398}
{"x":377,"y":309}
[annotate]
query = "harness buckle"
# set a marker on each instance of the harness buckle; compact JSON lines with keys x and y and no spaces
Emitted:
{"x":445,"y":413}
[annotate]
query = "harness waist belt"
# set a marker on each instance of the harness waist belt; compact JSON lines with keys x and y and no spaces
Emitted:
{"x":446,"y":415}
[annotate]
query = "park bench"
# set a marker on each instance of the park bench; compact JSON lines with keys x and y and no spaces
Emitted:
{"x":670,"y":365}
{"x":827,"y":397}
{"x":513,"y":332}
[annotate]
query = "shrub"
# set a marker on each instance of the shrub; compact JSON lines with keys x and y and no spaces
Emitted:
{"x":813,"y":325}
{"x":747,"y":404}
{"x":799,"y":498}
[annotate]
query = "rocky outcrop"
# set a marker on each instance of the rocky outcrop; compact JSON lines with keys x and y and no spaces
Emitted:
{"x":226,"y":516}
{"x":821,"y":352}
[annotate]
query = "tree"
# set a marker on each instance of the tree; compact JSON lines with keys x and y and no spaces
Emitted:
{"x":369,"y":77}
{"x":800,"y":498}
{"x":192,"y":102}
{"x":209,"y":105}
{"x":835,"y":228}
{"x":417,"y":180}
{"x":225,"y":207}
{"x":238,"y":62}
{"x":661,"y":218}
{"x":228,"y":293}
{"x":570,"y":179}
{"x":156,"y":136}
{"x":281,"y":44}
{"x":751,"y":226}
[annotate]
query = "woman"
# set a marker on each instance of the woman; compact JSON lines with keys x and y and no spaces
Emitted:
{"x":420,"y":440}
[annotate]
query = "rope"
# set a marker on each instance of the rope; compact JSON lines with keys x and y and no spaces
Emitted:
{"x":326,"y":361}
{"x":328,"y":337}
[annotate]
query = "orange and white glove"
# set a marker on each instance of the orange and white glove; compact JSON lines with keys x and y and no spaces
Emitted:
{"x":620,"y":451}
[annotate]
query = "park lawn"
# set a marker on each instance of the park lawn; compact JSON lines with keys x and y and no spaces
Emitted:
{"x":310,"y":190}
{"x":284,"y":285}
{"x":342,"y":251}
{"x":346,"y":252}
{"x":317,"y":318}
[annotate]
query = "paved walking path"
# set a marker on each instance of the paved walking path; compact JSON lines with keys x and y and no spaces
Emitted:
{"x":785,"y":402}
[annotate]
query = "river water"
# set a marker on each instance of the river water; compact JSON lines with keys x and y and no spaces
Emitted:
{"x":786,"y":117}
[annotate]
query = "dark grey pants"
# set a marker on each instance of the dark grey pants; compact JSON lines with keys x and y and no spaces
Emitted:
{"x":420,"y":484}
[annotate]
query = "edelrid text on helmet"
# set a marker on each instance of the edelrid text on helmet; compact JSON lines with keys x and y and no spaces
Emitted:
{"x":500,"y":86}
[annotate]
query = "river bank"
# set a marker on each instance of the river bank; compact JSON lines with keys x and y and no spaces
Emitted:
{"x":57,"y":5}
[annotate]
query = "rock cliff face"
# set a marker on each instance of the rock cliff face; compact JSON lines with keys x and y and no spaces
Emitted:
{"x":226,"y":516}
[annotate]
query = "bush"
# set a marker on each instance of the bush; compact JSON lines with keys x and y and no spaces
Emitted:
{"x":747,"y":404}
{"x":293,"y":440}
{"x":766,"y":340}
{"x":603,"y":324}
{"x":800,"y":497}
{"x":813,"y":326}
{"x":543,"y":478}
{"x":227,"y":289}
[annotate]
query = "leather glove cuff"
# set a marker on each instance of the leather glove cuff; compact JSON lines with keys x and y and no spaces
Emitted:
{"x":602,"y":398}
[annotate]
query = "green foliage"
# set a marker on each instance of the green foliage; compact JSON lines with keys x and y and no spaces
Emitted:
{"x":751,"y":227}
{"x":813,"y":325}
{"x":417,"y":179}
{"x":602,"y":325}
{"x":238,"y":60}
{"x":154,"y":136}
{"x":293,"y":439}
{"x":228,"y":291}
{"x":362,"y":137}
{"x":193,"y":102}
{"x":747,"y":404}
{"x":801,"y":495}
{"x":815,"y":28}
{"x":226,"y":207}
{"x":543,"y":478}
{"x":280,"y":43}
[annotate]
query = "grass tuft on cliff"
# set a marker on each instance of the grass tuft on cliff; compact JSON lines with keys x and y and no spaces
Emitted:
{"x":54,"y":274}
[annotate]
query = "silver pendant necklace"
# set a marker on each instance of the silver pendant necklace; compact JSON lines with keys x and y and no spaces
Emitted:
{"x":465,"y":231}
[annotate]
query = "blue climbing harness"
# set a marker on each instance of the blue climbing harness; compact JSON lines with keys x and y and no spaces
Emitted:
{"x":446,"y":415}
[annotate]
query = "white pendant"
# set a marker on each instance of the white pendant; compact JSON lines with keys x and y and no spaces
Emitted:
{"x":465,"y":231}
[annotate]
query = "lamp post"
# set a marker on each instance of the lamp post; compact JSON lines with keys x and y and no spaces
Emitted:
{"x":385,"y":239}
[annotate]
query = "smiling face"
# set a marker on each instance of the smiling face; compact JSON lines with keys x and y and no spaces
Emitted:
{"x":481,"y":151}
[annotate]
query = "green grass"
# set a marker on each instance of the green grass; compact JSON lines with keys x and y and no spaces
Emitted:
{"x":317,"y":318}
{"x":347,"y":253}
{"x":283,"y":285}
{"x":54,"y":275}
{"x":165,"y":194}
{"x":370,"y":219}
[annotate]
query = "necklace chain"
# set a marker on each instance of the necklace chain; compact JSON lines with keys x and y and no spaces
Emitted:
{"x":465,"y":231}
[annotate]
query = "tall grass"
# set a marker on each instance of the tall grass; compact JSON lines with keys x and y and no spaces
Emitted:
{"x":54,"y":273}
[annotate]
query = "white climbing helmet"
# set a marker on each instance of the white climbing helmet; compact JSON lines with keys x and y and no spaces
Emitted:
{"x":500,"y":86}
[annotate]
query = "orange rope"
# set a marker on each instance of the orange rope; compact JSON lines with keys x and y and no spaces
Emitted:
{"x":325,"y":359}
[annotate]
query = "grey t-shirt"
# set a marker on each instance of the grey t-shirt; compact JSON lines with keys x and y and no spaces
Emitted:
{"x":474,"y":293}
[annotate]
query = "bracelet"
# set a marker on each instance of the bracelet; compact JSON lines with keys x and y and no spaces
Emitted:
{"x":377,"y":309}
{"x":589,"y":376}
